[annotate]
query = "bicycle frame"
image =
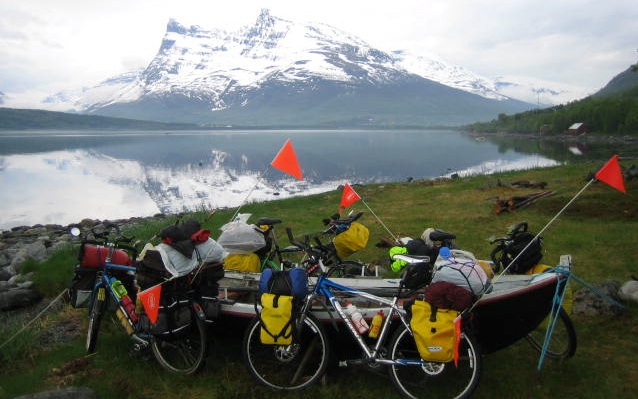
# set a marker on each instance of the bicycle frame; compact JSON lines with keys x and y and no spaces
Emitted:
{"x":324,"y":286}
{"x":103,"y":279}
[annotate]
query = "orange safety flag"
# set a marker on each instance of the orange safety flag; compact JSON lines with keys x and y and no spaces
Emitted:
{"x":151,"y":300}
{"x":286,"y":161}
{"x":348,"y":197}
{"x":457,"y":338}
{"x":610,"y":174}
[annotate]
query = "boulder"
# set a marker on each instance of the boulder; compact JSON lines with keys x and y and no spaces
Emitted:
{"x":629,"y":291}
{"x":588,"y":303}
{"x":18,"y":298}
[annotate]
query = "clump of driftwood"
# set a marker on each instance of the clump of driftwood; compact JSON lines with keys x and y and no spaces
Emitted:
{"x":519,"y":202}
{"x":517,"y":184}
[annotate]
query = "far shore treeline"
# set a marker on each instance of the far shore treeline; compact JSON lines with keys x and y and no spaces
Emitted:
{"x":611,"y":111}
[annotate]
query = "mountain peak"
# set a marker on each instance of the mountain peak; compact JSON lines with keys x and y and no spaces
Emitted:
{"x":176,"y":27}
{"x":265,"y":20}
{"x":275,"y":67}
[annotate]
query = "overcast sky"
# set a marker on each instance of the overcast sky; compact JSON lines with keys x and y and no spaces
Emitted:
{"x":50,"y":45}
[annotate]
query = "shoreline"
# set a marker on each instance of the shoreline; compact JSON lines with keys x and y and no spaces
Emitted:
{"x":585,"y":138}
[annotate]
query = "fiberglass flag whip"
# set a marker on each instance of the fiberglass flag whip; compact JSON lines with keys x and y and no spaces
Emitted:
{"x":285,"y":161}
{"x":610,"y":174}
{"x":350,"y":196}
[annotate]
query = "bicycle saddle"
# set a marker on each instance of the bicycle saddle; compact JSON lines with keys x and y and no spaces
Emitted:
{"x":268,"y":221}
{"x":440,"y":235}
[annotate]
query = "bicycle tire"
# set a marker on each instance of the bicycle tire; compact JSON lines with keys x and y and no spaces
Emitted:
{"x":96,"y":312}
{"x":288,"y":367}
{"x":434,"y":380}
{"x":563,"y":340}
{"x":185,"y":354}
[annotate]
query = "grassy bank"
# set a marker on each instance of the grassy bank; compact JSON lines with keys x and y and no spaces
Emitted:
{"x":598,"y":230}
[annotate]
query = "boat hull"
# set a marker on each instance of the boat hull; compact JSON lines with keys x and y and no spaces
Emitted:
{"x":515,"y":306}
{"x":507,"y":315}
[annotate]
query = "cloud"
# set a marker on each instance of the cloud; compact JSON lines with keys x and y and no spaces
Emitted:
{"x":51,"y":45}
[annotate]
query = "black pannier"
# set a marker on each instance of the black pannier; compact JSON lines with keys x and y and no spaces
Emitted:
{"x":81,"y":286}
{"x":174,"y":316}
{"x":517,"y":240}
{"x":417,"y":275}
{"x":206,"y":286}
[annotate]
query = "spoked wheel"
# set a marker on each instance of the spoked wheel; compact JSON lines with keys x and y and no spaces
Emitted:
{"x":431,"y":379}
{"x":186,"y":353}
{"x":563,"y":339}
{"x":96,"y":311}
{"x":288,"y":367}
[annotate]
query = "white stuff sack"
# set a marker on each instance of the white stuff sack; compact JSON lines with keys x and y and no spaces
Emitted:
{"x":210,"y":251}
{"x":462,"y":269}
{"x":241,"y":238}
{"x":179,"y":265}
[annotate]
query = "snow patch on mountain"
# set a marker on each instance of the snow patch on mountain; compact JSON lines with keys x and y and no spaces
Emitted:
{"x":218,"y":67}
{"x":435,"y":68}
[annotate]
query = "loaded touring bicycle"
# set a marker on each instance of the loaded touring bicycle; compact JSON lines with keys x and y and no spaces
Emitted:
{"x":511,"y":309}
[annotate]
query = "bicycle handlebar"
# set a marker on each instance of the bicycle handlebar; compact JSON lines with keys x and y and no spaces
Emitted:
{"x":101,"y":237}
{"x":294,"y":242}
{"x":338,"y":225}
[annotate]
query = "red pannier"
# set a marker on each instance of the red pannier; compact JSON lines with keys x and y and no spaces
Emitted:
{"x":93,"y":256}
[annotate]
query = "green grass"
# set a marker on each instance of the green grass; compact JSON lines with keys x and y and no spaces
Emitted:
{"x":599,"y":230}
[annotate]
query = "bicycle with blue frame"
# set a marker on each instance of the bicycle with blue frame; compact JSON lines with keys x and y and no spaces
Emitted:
{"x":303,"y":363}
{"x":184,"y":353}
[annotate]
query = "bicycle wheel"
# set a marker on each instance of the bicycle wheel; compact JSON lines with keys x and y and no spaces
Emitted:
{"x":563,"y":340}
{"x":186,"y":353}
{"x":288,"y":367}
{"x":96,"y":311}
{"x":434,"y":380}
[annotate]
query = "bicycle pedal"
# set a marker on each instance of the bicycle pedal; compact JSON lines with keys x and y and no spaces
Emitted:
{"x":353,"y":362}
{"x":139,"y":347}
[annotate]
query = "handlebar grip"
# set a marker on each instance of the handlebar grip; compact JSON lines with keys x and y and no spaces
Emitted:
{"x":357,"y":216}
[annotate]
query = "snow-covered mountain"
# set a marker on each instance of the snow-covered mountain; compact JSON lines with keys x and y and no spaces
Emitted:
{"x":278,"y":72}
{"x":79,"y":100}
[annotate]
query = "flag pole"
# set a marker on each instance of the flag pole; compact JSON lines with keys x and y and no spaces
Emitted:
{"x":534,"y":239}
{"x":249,"y":194}
{"x":609,"y":173}
{"x":540,"y":233}
{"x":380,"y":221}
{"x":286,"y":161}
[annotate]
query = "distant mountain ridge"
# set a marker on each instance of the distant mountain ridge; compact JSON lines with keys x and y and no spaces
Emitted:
{"x":20,"y":119}
{"x":613,"y":110}
{"x":623,"y":84}
{"x":277,"y":72}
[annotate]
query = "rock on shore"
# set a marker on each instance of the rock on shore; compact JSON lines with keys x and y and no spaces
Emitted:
{"x":37,"y":243}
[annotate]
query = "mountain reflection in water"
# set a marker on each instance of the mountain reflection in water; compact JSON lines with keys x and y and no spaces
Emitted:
{"x":63,"y":177}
